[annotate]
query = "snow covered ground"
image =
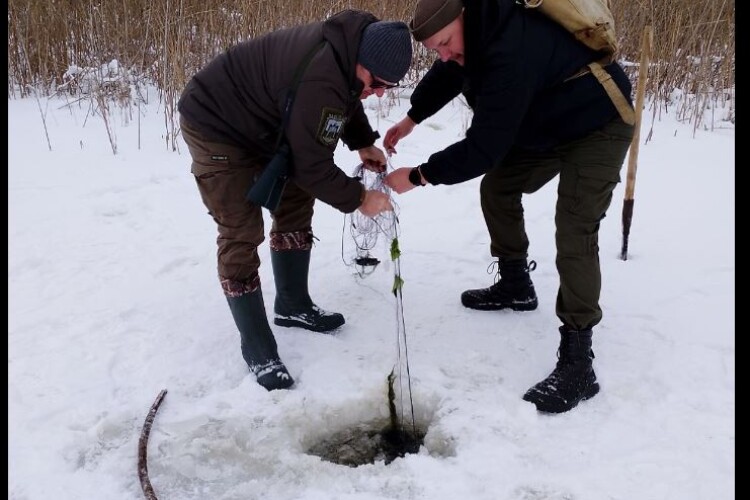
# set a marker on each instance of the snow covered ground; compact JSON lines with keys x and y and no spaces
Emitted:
{"x":113,"y":296}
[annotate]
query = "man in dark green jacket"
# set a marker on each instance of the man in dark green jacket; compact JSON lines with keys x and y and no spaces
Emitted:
{"x":537,"y":113}
{"x":232,"y":112}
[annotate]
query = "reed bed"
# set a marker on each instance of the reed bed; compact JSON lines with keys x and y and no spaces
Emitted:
{"x":116,"y":47}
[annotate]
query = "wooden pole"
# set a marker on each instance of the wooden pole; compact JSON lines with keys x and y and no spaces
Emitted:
{"x":627,"y":207}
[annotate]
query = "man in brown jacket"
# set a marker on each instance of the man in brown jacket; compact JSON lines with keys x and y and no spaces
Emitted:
{"x":232,"y":112}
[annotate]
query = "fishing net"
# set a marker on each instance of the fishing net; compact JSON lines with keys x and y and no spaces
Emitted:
{"x":366,"y":233}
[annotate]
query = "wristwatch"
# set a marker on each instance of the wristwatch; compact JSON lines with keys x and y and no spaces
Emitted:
{"x":415,"y":176}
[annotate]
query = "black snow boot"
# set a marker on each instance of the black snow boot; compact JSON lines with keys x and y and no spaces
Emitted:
{"x":257,"y":342}
{"x":514,"y":289}
{"x":293,"y":305}
{"x":573,"y":379}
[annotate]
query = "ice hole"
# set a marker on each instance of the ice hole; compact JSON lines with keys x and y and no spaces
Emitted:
{"x":369,"y":443}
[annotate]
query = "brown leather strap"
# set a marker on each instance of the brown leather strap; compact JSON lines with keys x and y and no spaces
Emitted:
{"x":613,"y":91}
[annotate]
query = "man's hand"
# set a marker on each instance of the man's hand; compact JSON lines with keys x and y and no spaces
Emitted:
{"x":396,"y":133}
{"x":398,"y":180}
{"x":373,"y":158}
{"x":374,"y":203}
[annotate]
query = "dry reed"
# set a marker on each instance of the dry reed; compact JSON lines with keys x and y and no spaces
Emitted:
{"x":163,"y":42}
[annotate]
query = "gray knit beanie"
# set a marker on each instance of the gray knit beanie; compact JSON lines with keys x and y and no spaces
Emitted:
{"x":385,"y":50}
{"x":430,"y":16}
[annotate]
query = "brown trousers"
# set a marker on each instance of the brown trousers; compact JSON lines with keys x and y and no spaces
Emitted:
{"x":589,"y":170}
{"x":224,"y":173}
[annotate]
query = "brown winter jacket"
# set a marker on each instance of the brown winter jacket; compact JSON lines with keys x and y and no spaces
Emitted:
{"x":239,"y":97}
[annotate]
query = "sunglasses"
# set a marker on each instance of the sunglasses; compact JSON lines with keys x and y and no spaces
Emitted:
{"x":378,"y":84}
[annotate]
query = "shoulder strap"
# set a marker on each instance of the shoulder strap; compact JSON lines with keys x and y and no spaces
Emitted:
{"x":293,"y":89}
{"x":626,"y":111}
{"x":613,"y":91}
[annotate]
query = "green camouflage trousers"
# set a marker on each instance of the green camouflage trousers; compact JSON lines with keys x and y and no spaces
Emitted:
{"x":589,"y":170}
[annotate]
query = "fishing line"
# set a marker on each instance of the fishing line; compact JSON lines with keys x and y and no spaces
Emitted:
{"x":364,"y":232}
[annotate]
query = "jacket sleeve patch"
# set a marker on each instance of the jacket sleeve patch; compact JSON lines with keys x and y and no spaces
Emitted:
{"x":331,"y":125}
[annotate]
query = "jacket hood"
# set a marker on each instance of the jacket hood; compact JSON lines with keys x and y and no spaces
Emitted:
{"x":343,"y":31}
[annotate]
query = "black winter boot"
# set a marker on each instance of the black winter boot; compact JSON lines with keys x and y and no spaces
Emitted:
{"x":573,"y":379}
{"x":257,"y":342}
{"x":514,"y":289}
{"x":293,"y":305}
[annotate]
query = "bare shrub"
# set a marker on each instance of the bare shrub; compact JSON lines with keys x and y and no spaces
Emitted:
{"x":693,"y":56}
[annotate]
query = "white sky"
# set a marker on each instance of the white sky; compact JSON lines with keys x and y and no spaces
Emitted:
{"x":113,"y":296}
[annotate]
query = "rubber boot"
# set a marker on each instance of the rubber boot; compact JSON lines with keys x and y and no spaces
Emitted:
{"x":514,"y":289}
{"x":573,"y":380}
{"x":293,"y":305}
{"x":257,"y":342}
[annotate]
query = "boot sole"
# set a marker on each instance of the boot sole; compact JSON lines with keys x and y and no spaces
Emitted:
{"x":275,"y":384}
{"x":592,"y":391}
{"x":298,"y":324}
{"x":500,"y":307}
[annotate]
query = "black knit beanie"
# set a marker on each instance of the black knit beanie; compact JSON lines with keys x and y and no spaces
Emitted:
{"x":385,"y":50}
{"x":430,"y":16}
